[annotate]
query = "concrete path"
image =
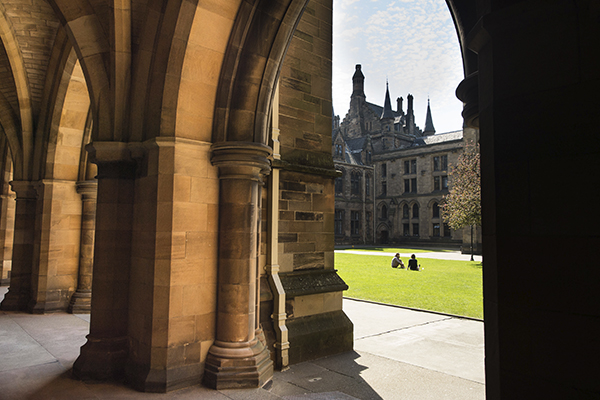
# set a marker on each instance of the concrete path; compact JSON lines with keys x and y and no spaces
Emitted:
{"x":438,"y":255}
{"x":398,"y":354}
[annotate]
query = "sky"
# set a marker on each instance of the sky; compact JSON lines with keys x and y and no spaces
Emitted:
{"x":411,"y":43}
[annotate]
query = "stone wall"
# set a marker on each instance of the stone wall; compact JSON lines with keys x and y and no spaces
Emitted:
{"x":317,"y":325}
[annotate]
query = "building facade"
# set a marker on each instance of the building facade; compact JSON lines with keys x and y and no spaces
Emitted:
{"x":393,"y":174}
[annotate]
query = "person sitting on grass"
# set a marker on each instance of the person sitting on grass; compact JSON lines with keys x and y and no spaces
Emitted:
{"x":396,"y":261}
{"x":413,"y":264}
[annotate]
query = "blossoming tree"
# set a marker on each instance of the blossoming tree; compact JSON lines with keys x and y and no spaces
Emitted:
{"x":462,"y":205}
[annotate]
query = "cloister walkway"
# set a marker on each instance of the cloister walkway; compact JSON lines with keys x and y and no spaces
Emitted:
{"x":398,"y":354}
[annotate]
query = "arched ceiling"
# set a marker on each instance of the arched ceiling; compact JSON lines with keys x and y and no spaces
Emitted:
{"x":33,"y":26}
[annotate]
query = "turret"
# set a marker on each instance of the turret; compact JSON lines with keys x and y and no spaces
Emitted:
{"x":399,"y":105}
{"x":358,"y":83}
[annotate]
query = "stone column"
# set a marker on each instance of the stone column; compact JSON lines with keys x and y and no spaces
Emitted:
{"x":237,"y":358}
{"x":105,"y":353}
{"x":7,"y":222}
{"x":81,"y":301}
{"x":19,"y":292}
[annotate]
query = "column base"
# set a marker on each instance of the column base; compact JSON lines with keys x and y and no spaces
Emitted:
{"x":229,"y":367}
{"x":101,"y":359}
{"x":81,"y":303}
{"x":149,"y":380}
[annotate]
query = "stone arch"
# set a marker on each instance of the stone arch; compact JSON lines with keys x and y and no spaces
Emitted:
{"x":9,"y":123}
{"x":18,"y":125}
{"x":66,"y":134}
{"x":89,"y":38}
{"x":158,"y":80}
{"x":257,"y":45}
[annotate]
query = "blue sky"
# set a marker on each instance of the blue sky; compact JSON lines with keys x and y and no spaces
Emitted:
{"x":412,"y":43}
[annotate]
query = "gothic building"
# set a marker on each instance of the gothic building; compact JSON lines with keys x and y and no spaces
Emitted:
{"x":393,"y":174}
{"x":167,"y":166}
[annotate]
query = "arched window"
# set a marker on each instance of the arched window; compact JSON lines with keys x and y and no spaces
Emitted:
{"x":355,"y":183}
{"x":384,"y":213}
{"x":405,"y":211}
{"x":367,"y":185}
{"x":436,"y":210}
{"x":339,"y":150}
{"x":416,"y":211}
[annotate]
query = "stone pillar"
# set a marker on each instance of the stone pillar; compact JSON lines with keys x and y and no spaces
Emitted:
{"x":19,"y":292}
{"x":81,"y":301}
{"x":105,"y":353}
{"x":7,"y":223}
{"x":237,"y":358}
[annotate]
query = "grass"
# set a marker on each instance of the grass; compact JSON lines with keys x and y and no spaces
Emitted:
{"x":394,"y":250}
{"x":453,"y":287}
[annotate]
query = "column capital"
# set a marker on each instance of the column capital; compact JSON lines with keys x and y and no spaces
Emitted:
{"x":88,"y":189}
{"x":115,"y":159}
{"x":237,"y":159}
{"x":25,"y":189}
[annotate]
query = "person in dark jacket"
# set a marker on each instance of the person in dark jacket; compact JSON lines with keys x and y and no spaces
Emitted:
{"x":413,"y":264}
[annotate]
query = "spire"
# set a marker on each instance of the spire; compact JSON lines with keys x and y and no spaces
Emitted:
{"x":387,"y":106}
{"x":429,"y":129}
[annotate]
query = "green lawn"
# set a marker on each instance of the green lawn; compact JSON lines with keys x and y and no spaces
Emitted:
{"x":395,"y":250}
{"x":453,"y":287}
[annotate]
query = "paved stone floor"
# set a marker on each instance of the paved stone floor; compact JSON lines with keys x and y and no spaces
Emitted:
{"x":398,"y":354}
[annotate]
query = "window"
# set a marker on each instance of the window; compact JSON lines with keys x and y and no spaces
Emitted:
{"x":368,"y":185}
{"x":410,"y":185}
{"x":447,"y":231}
{"x":355,"y":222}
{"x":410,"y":166}
{"x":339,"y":186}
{"x":355,"y":183}
{"x":339,"y":222}
{"x":405,"y":211}
{"x":383,"y":188}
{"x":383,"y":170}
{"x":384,"y":213}
{"x":339,"y":150}
{"x":415,"y":229}
{"x":369,"y":157}
{"x":406,"y":229}
{"x":416,"y":211}
{"x":436,"y":230}
{"x":436,"y":210}
{"x":440,"y":182}
{"x":440,"y":163}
